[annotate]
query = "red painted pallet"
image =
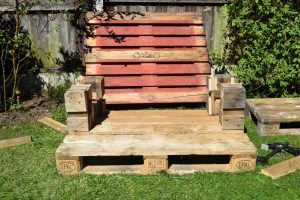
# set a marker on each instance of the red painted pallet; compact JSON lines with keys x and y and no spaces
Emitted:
{"x":150,"y":58}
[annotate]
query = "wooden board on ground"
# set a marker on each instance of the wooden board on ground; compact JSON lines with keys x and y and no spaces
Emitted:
{"x":272,"y":113}
{"x":282,"y":168}
{"x":54,"y":124}
{"x":15,"y":141}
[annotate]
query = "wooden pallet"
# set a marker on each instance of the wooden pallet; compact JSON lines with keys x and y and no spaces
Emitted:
{"x":151,"y":58}
{"x":156,"y":152}
{"x":272,"y":114}
{"x":162,"y":140}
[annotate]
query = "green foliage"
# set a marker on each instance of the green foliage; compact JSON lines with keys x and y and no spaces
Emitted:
{"x":264,"y":41}
{"x":56,"y":93}
{"x":59,"y":113}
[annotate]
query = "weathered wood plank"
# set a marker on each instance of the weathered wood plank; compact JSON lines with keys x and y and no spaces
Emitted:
{"x":15,"y":141}
{"x":155,"y":145}
{"x":146,"y":18}
{"x":282,"y":168}
{"x":117,"y":56}
{"x":147,"y":68}
{"x":161,"y":97}
{"x":279,"y":116}
{"x":147,"y":41}
{"x":53,"y":124}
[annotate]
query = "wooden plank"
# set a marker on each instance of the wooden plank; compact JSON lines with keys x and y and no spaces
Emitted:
{"x":15,"y":141}
{"x":147,"y":41}
{"x":192,"y":168}
{"x":53,"y":124}
{"x":155,"y":129}
{"x":180,"y":2}
{"x":147,"y":68}
{"x":199,"y":90}
{"x":167,"y":97}
{"x":275,"y":101}
{"x":152,"y":80}
{"x":164,"y":113}
{"x":145,"y":18}
{"x":141,"y":30}
{"x":117,"y":56}
{"x":279,"y":116}
{"x":113,"y":169}
{"x":282,"y":168}
{"x":156,"y":145}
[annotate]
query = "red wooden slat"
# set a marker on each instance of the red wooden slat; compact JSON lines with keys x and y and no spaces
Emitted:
{"x":152,"y":80}
{"x":200,"y":90}
{"x":147,"y":41}
{"x":147,"y":68}
{"x":149,"y":30}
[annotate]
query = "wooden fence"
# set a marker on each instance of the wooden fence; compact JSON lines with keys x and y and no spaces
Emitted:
{"x":55,"y":40}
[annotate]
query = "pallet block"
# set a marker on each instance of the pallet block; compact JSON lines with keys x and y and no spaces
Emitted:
{"x":76,"y":98}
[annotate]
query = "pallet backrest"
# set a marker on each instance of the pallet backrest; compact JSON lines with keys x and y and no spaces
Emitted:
{"x":150,"y":58}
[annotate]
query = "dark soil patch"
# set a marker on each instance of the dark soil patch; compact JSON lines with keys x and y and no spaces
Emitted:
{"x":31,"y":110}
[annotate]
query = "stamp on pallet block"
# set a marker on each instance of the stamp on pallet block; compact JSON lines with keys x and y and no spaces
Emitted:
{"x":154,"y":164}
{"x":241,"y":163}
{"x":68,"y":167}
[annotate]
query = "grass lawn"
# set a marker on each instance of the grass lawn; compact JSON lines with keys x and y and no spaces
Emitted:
{"x":28,"y":172}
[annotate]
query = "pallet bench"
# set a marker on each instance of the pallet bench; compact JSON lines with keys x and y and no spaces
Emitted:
{"x":162,"y":59}
{"x":272,"y":114}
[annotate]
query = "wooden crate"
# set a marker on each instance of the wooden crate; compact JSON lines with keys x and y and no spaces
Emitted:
{"x":272,"y":114}
{"x":157,"y":136}
{"x":154,"y":58}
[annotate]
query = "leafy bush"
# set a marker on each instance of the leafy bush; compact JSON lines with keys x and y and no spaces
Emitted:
{"x":56,"y":93}
{"x":264,"y":41}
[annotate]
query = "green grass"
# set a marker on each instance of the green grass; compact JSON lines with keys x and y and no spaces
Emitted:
{"x":28,"y":172}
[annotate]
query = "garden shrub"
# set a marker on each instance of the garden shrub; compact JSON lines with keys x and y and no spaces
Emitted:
{"x":57,"y":92}
{"x":264,"y":41}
